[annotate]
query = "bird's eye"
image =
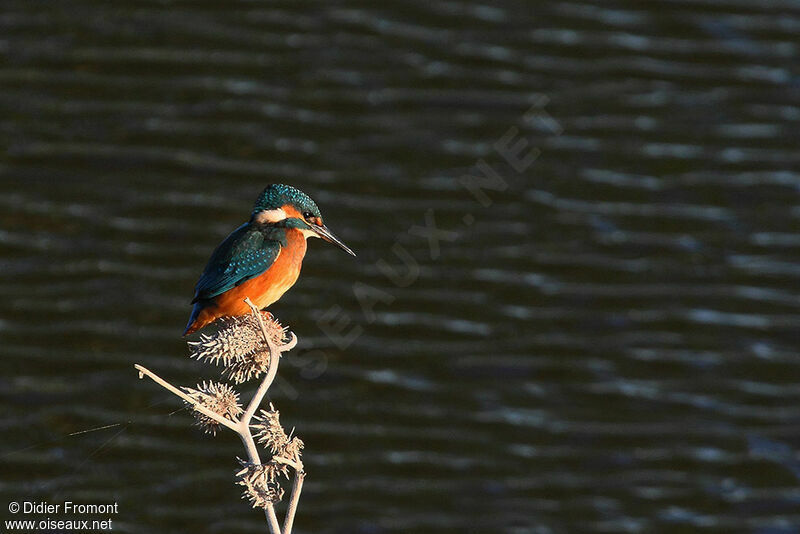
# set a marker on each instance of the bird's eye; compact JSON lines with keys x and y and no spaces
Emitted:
{"x":307,"y":215}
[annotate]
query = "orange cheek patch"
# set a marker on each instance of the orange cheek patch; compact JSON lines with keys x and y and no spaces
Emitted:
{"x":291,"y":211}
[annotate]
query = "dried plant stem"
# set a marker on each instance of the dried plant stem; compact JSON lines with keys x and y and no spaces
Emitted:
{"x":297,"y":487}
{"x":291,"y":463}
{"x":242,"y":425}
{"x":275,"y":356}
{"x":272,"y":520}
{"x":143,"y":371}
{"x":249,"y":445}
{"x":242,"y":430}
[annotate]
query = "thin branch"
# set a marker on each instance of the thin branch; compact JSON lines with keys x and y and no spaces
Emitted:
{"x":249,"y":446}
{"x":274,"y":359}
{"x":242,"y":430}
{"x":252,"y":455}
{"x":233,"y":425}
{"x":255,"y":402}
{"x":291,"y":463}
{"x":289,"y":345}
{"x":258,"y":396}
{"x":297,"y":487}
{"x":272,"y":519}
{"x":242,"y":425}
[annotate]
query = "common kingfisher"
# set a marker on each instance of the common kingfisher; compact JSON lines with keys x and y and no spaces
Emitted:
{"x":261,"y":259}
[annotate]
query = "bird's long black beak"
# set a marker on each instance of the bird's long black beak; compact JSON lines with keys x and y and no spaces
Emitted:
{"x":327,"y":235}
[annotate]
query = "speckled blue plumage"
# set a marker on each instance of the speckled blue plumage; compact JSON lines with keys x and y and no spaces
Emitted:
{"x":243,"y":255}
{"x":276,"y":195}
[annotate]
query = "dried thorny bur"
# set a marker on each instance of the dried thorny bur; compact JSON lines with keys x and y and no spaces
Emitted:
{"x":260,"y":482}
{"x":239,"y":346}
{"x":293,"y":450}
{"x":269,"y":432}
{"x":217,"y":397}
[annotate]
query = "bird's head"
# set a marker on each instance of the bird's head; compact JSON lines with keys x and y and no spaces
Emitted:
{"x":290,"y":207}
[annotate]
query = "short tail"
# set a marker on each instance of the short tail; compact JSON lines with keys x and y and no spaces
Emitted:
{"x":194,"y":325}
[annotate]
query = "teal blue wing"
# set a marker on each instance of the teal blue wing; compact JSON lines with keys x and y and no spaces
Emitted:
{"x":244,"y":254}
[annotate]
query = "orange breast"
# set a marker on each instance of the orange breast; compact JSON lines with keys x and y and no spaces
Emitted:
{"x":267,"y":288}
{"x":264,"y":289}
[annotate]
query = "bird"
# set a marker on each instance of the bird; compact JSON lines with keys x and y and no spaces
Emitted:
{"x":261,"y":259}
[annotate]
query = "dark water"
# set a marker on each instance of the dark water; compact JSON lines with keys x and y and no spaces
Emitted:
{"x":610,"y":346}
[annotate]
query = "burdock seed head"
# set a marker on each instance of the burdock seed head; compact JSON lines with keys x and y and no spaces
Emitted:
{"x":269,"y":432}
{"x":217,"y":397}
{"x":260,"y":482}
{"x":238,"y":345}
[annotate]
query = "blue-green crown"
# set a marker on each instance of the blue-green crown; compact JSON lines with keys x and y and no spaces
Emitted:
{"x":277,"y":195}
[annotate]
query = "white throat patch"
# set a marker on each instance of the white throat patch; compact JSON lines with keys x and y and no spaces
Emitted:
{"x":270,"y":216}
